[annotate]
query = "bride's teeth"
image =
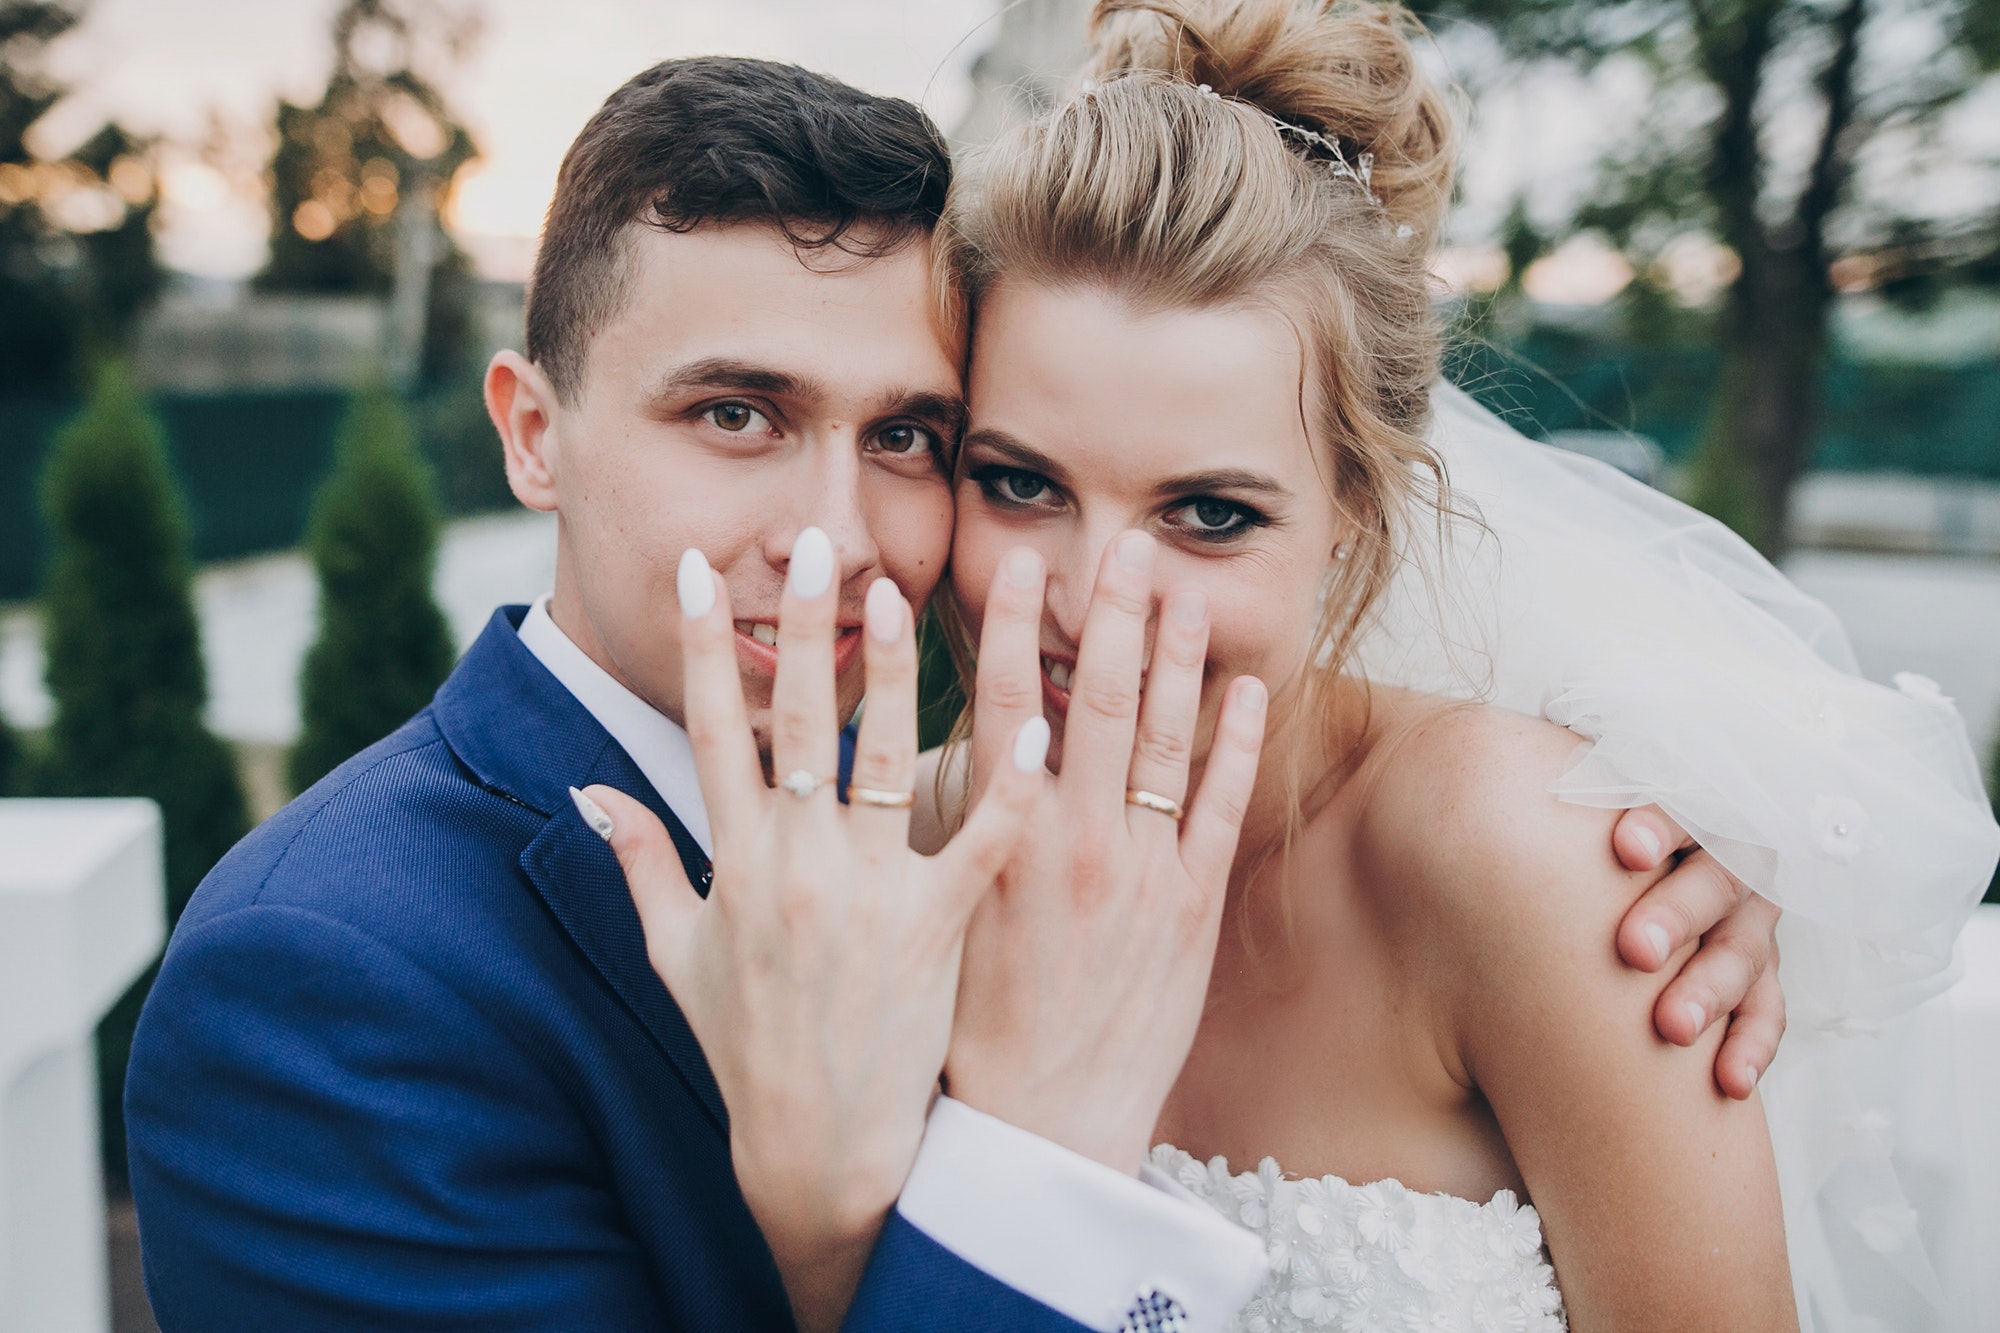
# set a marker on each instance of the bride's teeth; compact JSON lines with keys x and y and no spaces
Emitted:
{"x":762,"y":633}
{"x":1059,"y":675}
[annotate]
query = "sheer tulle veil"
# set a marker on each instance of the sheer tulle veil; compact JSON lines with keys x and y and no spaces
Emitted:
{"x":1700,"y":679}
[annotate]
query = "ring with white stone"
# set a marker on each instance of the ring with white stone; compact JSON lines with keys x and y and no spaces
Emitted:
{"x":803,"y":784}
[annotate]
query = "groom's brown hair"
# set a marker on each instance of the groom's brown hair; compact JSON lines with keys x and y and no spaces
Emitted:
{"x":721,"y":140}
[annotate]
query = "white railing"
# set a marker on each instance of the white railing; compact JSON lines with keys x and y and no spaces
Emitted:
{"x":82,"y":912}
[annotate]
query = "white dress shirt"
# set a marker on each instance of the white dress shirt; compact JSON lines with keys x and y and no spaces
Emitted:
{"x":1069,"y":1232}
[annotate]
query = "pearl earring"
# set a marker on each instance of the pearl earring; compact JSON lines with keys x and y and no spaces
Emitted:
{"x":1341,"y":552}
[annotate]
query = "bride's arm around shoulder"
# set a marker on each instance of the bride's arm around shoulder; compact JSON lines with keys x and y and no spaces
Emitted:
{"x":1658,"y":1194}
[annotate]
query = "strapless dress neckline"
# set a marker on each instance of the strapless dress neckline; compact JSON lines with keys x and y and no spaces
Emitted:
{"x":1363,"y":1258}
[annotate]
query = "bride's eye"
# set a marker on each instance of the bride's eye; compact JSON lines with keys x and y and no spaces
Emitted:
{"x":736,"y":418}
{"x":1013,"y":486}
{"x":1211,"y":519}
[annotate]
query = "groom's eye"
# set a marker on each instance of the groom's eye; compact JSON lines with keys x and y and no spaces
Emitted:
{"x":736,"y":418}
{"x":906,"y":440}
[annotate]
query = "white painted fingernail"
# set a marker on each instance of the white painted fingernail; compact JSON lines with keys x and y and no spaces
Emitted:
{"x":883,"y":612}
{"x":1031,"y":744}
{"x":1134,"y":550}
{"x":695,"y":583}
{"x":1697,"y":1015}
{"x":1191,"y":607}
{"x":1021,"y":566}
{"x":1656,"y":935}
{"x":812,"y":563}
{"x":1649,"y":842}
{"x":593,"y":813}
{"x":1751,"y":1076}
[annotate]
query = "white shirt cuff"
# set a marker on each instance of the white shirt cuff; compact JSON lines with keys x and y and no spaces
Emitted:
{"x":1072,"y":1233}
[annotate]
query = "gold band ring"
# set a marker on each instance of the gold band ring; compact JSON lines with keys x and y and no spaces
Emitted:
{"x":1147,"y":800}
{"x":803,"y":784}
{"x":881,"y":800}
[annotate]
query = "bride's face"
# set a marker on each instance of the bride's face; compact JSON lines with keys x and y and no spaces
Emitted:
{"x":1089,"y":418}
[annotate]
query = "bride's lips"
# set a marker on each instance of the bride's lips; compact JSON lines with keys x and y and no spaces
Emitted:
{"x":757,"y":647}
{"x":1056,"y":673}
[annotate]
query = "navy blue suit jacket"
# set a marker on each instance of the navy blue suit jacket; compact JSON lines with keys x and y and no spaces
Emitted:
{"x":406,"y":1065}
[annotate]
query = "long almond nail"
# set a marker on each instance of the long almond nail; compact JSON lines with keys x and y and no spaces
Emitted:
{"x":1031,"y":744}
{"x":811,"y":571}
{"x":593,"y":814}
{"x":1135,"y":552}
{"x":695,"y":583}
{"x":883,"y":611}
{"x":1021,"y":567}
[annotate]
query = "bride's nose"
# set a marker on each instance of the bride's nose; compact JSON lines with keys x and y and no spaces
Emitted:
{"x":1072,"y":579}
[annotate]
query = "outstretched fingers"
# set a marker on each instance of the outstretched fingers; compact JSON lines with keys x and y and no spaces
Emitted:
{"x":1104,"y":697}
{"x":880,"y":791}
{"x":718,"y":725}
{"x":805,"y":733}
{"x":667,"y":903}
{"x":1007,"y":686}
{"x":971,"y":861}
{"x":1171,"y":706}
{"x":1215,"y":820}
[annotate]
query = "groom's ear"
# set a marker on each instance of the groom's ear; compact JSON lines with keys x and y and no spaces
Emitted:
{"x":522,"y":404}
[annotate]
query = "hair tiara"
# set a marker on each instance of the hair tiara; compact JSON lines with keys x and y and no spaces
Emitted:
{"x":1317,"y":147}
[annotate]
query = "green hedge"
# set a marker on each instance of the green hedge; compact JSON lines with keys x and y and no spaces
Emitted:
{"x":248,"y":464}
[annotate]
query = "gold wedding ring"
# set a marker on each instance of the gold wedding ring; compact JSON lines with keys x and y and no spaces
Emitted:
{"x":1147,"y":800}
{"x":881,"y":800}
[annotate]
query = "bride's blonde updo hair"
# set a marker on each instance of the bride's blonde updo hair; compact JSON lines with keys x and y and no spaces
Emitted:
{"x":1284,"y":153}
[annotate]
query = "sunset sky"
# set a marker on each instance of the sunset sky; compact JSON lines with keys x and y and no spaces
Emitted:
{"x":541,"y":67}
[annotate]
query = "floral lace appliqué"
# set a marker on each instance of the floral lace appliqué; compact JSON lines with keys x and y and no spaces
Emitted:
{"x":1379,"y":1258}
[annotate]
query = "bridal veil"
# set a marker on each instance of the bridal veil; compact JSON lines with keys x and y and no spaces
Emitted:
{"x":1702,"y":681}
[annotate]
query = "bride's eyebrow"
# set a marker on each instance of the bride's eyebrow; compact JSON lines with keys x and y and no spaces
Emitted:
{"x":1020,"y":454}
{"x":1222,"y":479}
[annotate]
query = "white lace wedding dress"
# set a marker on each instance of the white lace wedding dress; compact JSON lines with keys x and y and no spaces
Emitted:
{"x":1380,"y":1258}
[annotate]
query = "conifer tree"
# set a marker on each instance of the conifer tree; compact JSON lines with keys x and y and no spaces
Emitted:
{"x":124,"y":666}
{"x":383,"y":646}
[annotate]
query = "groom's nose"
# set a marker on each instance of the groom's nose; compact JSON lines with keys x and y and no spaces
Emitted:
{"x":826,"y":494}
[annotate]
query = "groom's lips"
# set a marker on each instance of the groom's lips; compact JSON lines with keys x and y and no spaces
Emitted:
{"x":759,"y":658}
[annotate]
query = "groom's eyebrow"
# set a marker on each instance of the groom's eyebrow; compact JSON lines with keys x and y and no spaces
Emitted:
{"x":724,"y":374}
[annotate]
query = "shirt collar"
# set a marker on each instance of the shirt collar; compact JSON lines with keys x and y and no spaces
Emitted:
{"x":658,"y":745}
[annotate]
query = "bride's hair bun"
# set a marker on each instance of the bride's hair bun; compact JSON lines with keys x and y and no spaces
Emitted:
{"x":1345,"y":69}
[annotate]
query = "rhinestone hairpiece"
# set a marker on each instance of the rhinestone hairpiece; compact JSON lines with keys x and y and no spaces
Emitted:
{"x":1361,"y":171}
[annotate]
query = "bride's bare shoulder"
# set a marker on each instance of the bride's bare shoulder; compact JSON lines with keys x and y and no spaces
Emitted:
{"x":1458,"y":817}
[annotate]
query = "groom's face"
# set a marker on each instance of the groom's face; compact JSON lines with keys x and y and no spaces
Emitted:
{"x":741,"y":394}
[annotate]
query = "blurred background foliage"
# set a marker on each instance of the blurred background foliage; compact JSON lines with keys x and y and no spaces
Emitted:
{"x":1803,"y":137}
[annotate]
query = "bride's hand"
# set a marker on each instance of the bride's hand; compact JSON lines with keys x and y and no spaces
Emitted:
{"x":820,"y":972}
{"x":1086,"y":968}
{"x":1733,"y":975}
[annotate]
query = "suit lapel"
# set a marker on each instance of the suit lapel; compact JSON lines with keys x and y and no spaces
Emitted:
{"x":523,"y":735}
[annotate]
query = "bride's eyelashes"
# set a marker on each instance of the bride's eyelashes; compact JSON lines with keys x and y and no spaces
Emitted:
{"x":1015,"y":488}
{"x":1208,"y":519}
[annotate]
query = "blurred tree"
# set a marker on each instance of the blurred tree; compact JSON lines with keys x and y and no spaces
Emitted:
{"x":125,"y":667}
{"x":359,"y":180}
{"x":76,"y":242}
{"x":383,"y":646}
{"x":1764,"y":113}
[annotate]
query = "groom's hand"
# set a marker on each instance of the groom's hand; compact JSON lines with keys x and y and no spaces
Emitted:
{"x":1733,"y":975}
{"x":820,"y":972}
{"x":1087,"y":967}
